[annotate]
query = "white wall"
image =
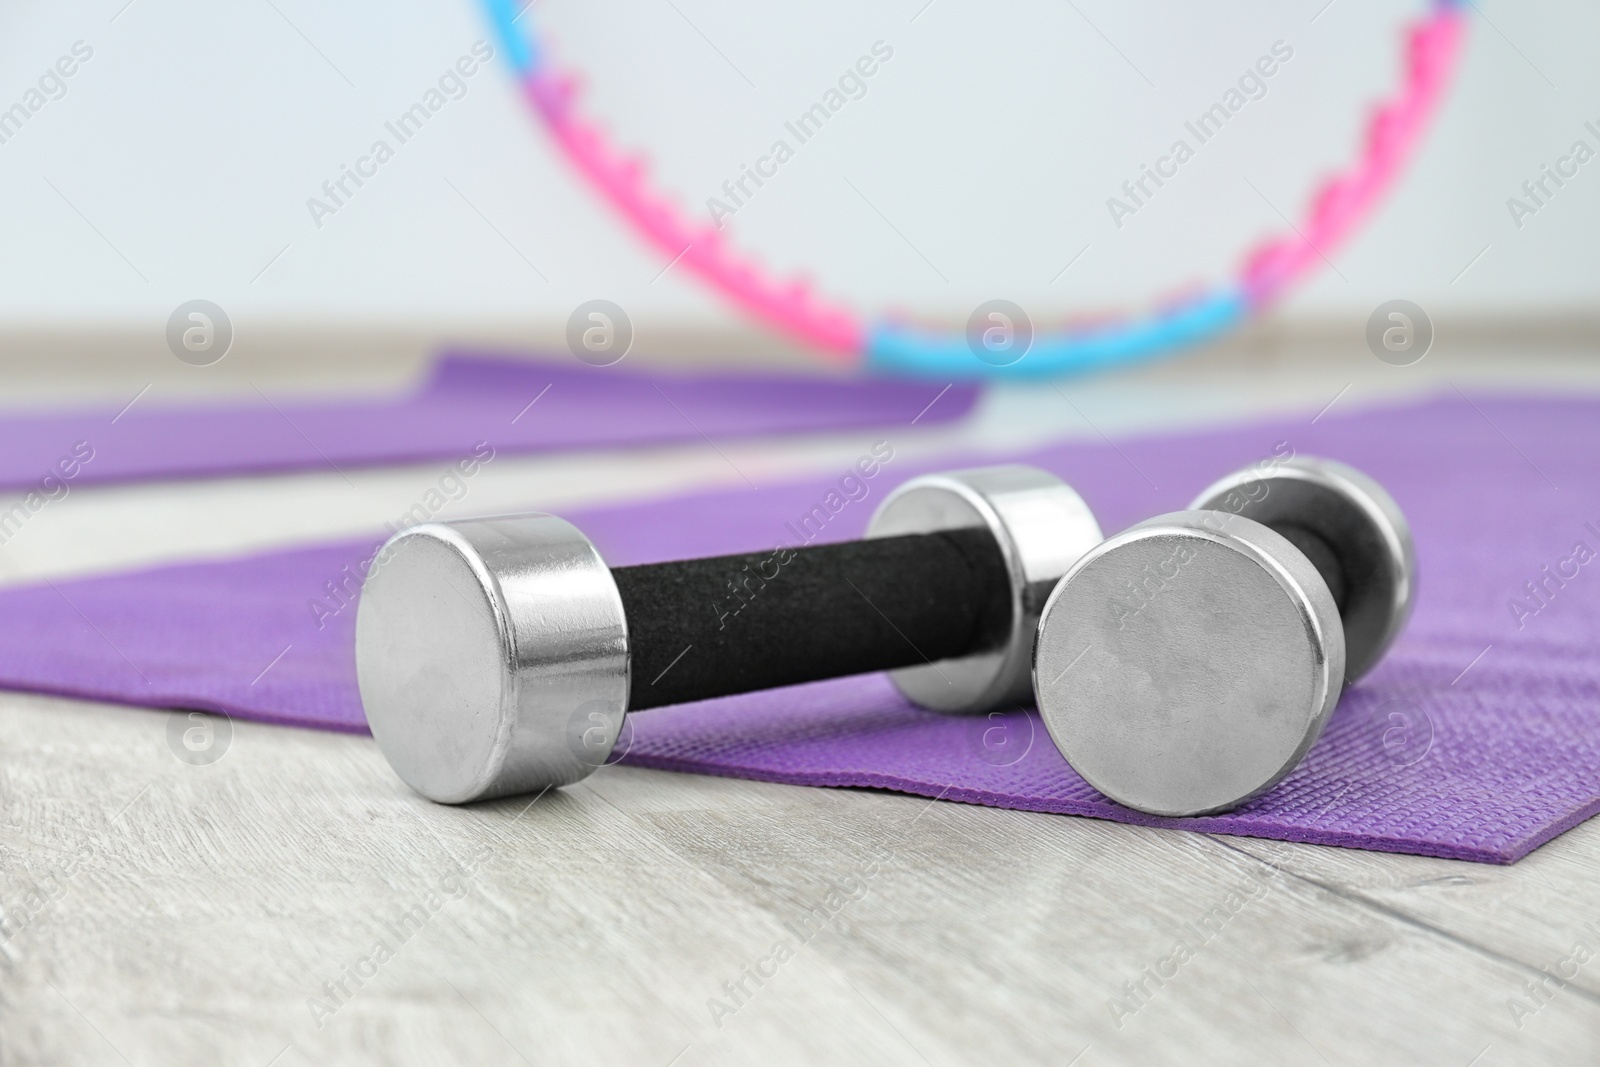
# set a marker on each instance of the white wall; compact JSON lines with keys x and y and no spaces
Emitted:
{"x":193,"y":137}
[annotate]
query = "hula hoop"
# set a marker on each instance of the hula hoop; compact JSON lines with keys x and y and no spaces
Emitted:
{"x":1337,"y":209}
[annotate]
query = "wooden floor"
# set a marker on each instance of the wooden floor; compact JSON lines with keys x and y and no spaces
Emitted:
{"x":291,"y":903}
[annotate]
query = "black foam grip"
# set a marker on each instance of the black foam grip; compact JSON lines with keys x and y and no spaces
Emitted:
{"x":733,"y":624}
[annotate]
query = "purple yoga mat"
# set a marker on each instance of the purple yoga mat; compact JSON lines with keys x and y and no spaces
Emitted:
{"x":1478,"y":738}
{"x":515,"y":405}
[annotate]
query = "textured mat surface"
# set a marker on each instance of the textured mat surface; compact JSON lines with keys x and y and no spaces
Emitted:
{"x":1478,"y":738}
{"x":511,"y":404}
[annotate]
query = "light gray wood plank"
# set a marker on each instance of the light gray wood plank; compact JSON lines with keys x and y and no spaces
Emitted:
{"x":1537,"y":912}
{"x":598,"y":924}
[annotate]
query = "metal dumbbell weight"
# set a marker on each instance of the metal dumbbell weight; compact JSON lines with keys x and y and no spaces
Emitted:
{"x":499,"y":656}
{"x":1188,"y":663}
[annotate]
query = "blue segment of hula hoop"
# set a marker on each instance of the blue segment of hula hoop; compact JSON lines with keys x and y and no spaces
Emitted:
{"x":519,"y":49}
{"x":899,"y":350}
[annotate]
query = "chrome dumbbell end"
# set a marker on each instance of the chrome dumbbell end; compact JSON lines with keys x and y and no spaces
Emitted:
{"x":1357,"y":520}
{"x":1186,"y":664}
{"x":1190,"y":662}
{"x":1042,"y":527}
{"x":492,"y":657}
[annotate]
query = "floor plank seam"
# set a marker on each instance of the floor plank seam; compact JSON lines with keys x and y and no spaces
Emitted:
{"x":1413,"y":921}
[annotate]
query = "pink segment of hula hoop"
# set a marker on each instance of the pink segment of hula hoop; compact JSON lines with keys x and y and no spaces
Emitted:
{"x":621,"y":180}
{"x":1342,"y":202}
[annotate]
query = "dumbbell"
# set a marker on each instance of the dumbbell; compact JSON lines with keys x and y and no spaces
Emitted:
{"x":1188,"y":663}
{"x":499,"y":656}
